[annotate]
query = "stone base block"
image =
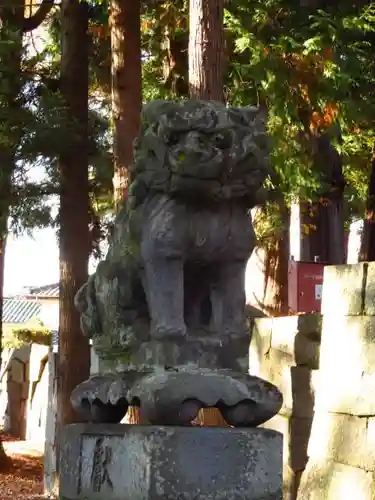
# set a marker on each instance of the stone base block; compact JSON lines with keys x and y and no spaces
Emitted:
{"x":132,"y":462}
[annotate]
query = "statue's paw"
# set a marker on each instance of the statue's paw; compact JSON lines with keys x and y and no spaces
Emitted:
{"x":101,"y":399}
{"x":98,"y":412}
{"x":169,"y":331}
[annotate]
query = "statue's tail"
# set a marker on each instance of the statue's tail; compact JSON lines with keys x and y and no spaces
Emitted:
{"x":80,"y":300}
{"x":85,"y":303}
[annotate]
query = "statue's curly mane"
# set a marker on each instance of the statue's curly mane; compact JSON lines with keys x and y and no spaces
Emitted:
{"x":189,"y":150}
{"x":200,"y":149}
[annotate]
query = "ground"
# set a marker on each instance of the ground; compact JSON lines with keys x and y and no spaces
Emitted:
{"x":23,"y":478}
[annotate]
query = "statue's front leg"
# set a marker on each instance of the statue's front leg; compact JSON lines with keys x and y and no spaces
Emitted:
{"x":229,"y":299}
{"x":165,"y":295}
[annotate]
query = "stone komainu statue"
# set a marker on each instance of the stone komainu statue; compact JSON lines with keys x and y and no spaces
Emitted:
{"x":177,"y":257}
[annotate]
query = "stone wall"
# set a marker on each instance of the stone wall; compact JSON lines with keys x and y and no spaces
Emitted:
{"x":14,"y":390}
{"x":285,"y":351}
{"x":325,"y":367}
{"x":37,"y":402}
{"x":23,"y":391}
{"x":51,"y":483}
{"x":342,"y":444}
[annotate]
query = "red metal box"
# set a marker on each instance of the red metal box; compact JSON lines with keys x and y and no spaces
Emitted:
{"x":305,"y":284}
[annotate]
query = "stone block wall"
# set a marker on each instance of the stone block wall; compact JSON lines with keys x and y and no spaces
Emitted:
{"x":341,"y":448}
{"x":23,"y":391}
{"x":285,"y":351}
{"x":14,"y":390}
{"x":325,"y":367}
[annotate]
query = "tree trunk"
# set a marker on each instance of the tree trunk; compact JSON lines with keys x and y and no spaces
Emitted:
{"x":323,"y":222}
{"x":74,"y":349}
{"x":323,"y":231}
{"x":206,"y":74}
{"x":126,"y":88}
{"x":175,"y":63}
{"x":275,"y":300}
{"x":367,"y":252}
{"x":206,"y":49}
{"x":125,"y":26}
{"x":11,"y":16}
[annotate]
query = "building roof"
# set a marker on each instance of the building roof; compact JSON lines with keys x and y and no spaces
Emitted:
{"x":51,"y":290}
{"x":20,"y":310}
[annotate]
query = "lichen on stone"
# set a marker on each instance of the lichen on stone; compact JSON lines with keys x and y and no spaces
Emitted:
{"x":189,"y":150}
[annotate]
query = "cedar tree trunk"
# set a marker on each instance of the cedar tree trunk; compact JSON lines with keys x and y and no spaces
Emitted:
{"x":74,"y":349}
{"x":126,"y":88}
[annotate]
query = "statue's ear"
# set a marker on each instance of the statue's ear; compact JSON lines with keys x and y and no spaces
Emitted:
{"x":256,"y":114}
{"x":263,"y":113}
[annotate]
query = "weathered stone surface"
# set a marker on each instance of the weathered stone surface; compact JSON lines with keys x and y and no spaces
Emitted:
{"x":38,"y":356}
{"x":200,"y":351}
{"x":291,"y":480}
{"x":346,"y":392}
{"x":333,"y":481}
{"x":176,"y":262}
{"x":125,"y":462}
{"x":296,"y":383}
{"x":17,"y":371}
{"x":260,"y":344}
{"x":353,"y":338}
{"x":275,"y":367}
{"x":347,"y":358}
{"x":343,"y":438}
{"x":25,"y":390}
{"x":174,"y":396}
{"x":369,"y":309}
{"x":296,"y":434}
{"x":344,"y":289}
{"x":300,"y":430}
{"x":298,"y":336}
{"x":51,"y":448}
{"x":170,"y":294}
{"x":261,"y":335}
{"x":304,"y":386}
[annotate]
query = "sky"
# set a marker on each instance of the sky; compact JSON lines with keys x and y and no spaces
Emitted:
{"x":31,"y":261}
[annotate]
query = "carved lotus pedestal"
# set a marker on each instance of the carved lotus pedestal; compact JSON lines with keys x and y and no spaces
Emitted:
{"x":171,"y":459}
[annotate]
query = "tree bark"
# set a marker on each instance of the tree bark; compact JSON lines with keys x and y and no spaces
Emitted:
{"x":126,"y":69}
{"x":207,"y":49}
{"x":367,"y":252}
{"x":74,"y":349}
{"x":175,"y":63}
{"x":11,"y":19}
{"x":323,"y":231}
{"x":275,"y":300}
{"x":126,"y":88}
{"x":26,"y":24}
{"x":206,"y":74}
{"x":324,"y":221}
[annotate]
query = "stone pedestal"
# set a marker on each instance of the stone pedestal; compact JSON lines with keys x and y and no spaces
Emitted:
{"x":166,"y":313}
{"x":132,"y":462}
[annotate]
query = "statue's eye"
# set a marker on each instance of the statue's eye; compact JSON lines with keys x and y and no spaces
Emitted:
{"x":222,"y":141}
{"x":173,"y":139}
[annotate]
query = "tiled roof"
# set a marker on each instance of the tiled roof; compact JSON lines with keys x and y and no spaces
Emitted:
{"x":20,"y":310}
{"x":44,"y":291}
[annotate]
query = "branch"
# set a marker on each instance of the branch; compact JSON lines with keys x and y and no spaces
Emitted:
{"x":31,"y":23}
